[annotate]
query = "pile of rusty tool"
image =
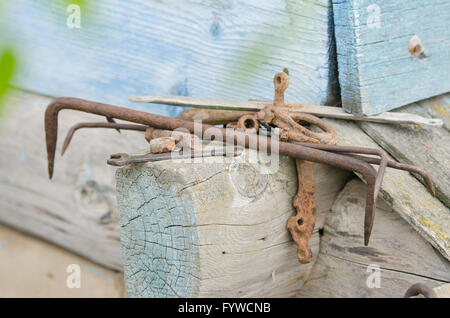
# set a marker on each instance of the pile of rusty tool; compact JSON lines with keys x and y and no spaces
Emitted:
{"x":253,"y":128}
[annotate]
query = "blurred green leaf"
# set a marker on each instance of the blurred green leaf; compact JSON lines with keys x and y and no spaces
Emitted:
{"x":7,"y":69}
{"x":81,"y":3}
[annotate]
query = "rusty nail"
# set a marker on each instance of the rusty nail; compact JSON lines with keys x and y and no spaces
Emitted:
{"x":415,"y":47}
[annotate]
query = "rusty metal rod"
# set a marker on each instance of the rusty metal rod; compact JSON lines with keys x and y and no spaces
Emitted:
{"x":350,"y":150}
{"x":209,"y":132}
{"x":110,"y":124}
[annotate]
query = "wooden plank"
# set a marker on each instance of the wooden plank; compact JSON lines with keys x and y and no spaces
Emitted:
{"x":425,"y":147}
{"x":376,"y":70}
{"x":215,"y":228}
{"x":401,"y":254}
{"x":438,"y":107}
{"x":443,"y":291}
{"x":197,"y":48}
{"x":77,"y":209}
{"x":405,"y":194}
{"x":33,"y":268}
{"x":322,"y":111}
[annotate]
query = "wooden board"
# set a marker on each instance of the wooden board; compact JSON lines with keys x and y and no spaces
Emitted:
{"x":77,"y":209}
{"x":425,"y":147}
{"x":376,"y":70}
{"x":33,"y":268}
{"x":220,"y":49}
{"x":401,"y":254}
{"x":443,"y":291}
{"x":438,"y":107}
{"x":215,"y":229}
{"x":406,"y":195}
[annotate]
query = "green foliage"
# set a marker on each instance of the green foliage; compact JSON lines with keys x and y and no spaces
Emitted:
{"x":7,"y":70}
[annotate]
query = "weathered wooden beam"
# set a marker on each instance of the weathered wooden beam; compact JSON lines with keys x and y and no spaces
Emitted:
{"x":182,"y":47}
{"x":77,"y":209}
{"x":400,"y":255}
{"x":377,"y":72}
{"x":215,"y":228}
{"x":322,"y":111}
{"x":406,"y":195}
{"x":443,"y":291}
{"x":438,"y":107}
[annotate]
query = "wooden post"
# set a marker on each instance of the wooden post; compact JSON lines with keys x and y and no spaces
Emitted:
{"x":215,"y":229}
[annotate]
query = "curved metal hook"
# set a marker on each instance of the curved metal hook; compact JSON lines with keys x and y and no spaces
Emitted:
{"x":111,"y":124}
{"x":253,"y":141}
{"x":420,"y":289}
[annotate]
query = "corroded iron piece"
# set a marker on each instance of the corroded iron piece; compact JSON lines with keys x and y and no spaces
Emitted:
{"x":420,"y":289}
{"x":318,"y":148}
{"x":301,"y":225}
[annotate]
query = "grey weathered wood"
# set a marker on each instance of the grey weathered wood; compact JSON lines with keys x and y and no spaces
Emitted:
{"x":407,"y":196}
{"x":438,"y":107}
{"x":322,"y":111}
{"x":215,"y":229}
{"x":443,"y":291}
{"x":425,"y":147}
{"x":376,"y":70}
{"x":77,"y":209}
{"x":402,"y":255}
{"x":220,"y":49}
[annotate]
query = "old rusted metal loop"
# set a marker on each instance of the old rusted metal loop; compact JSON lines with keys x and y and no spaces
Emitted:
{"x":248,"y":123}
{"x":281,"y":83}
{"x":296,"y":131}
{"x":420,"y":289}
{"x":110,"y":124}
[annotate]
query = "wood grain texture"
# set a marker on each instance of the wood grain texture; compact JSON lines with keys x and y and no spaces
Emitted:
{"x":425,"y":147}
{"x":215,"y":229}
{"x":221,"y":49}
{"x":443,"y":291}
{"x":438,"y":107}
{"x":405,"y":194}
{"x":77,"y":209}
{"x":401,"y":254}
{"x":376,"y":71}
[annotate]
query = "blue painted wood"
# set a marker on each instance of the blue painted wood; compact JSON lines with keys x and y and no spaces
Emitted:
{"x":148,"y":214}
{"x":376,"y":70}
{"x":213,"y":49}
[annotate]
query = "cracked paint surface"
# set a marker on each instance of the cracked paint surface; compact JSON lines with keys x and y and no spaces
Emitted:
{"x":148,"y":211}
